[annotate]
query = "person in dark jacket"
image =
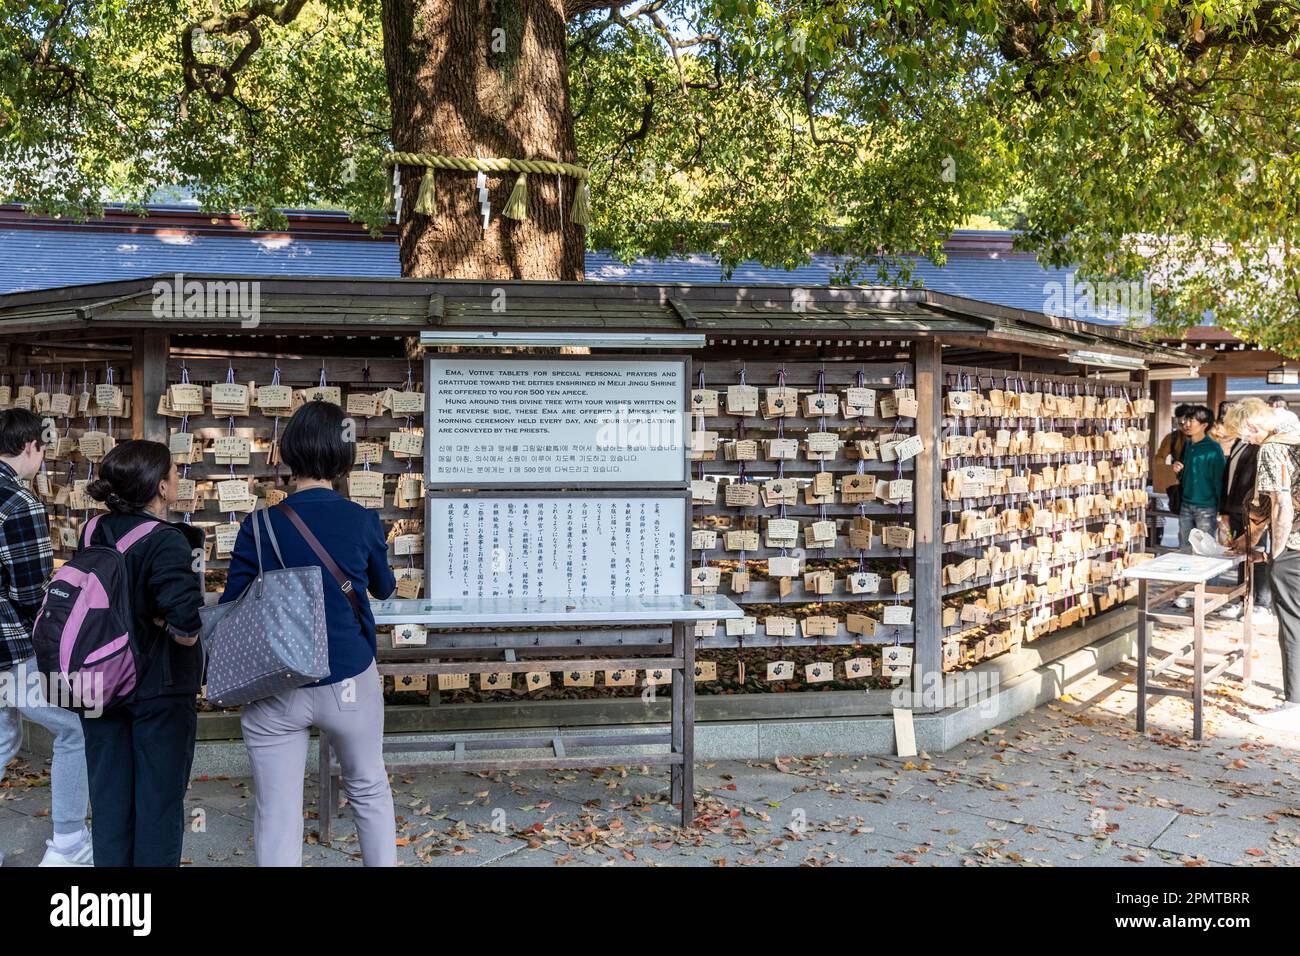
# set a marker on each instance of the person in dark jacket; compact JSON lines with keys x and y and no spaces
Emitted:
{"x":1200,"y":476}
{"x":1238,"y":490}
{"x":348,"y":705}
{"x":139,"y":753}
{"x":1200,"y":473}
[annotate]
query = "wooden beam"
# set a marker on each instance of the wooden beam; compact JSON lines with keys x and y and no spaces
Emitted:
{"x":148,"y":379}
{"x":1011,"y":350}
{"x":689,"y":321}
{"x":927,"y":515}
{"x":437,"y":306}
{"x":1241,"y":364}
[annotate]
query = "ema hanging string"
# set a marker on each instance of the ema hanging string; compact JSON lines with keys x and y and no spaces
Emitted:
{"x":189,"y":455}
{"x":516,"y":206}
{"x":230,"y":431}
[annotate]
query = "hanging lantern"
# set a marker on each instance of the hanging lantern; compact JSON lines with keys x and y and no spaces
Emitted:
{"x":1283,"y":375}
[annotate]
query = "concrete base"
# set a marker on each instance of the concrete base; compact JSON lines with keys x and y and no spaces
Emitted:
{"x":767,"y":739}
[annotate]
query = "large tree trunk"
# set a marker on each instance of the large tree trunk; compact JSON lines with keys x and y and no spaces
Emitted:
{"x":457,"y":93}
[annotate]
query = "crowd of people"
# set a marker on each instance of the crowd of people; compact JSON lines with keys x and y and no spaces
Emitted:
{"x":1215,"y":470}
{"x":131,"y":763}
{"x":1208,"y":472}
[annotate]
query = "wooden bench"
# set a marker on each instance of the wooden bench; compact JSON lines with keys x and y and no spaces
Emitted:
{"x":649,"y":633}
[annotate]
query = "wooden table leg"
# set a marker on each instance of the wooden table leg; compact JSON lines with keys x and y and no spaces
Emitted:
{"x":688,"y":730}
{"x":1144,"y":638}
{"x":1198,"y":662}
{"x":678,"y":711}
{"x":325,"y":789}
{"x":1247,"y":625}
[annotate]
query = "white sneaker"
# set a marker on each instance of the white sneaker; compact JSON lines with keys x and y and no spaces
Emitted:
{"x":1261,"y":615}
{"x":1232,"y":612}
{"x":1182,"y":603}
{"x":1286,"y":719}
{"x":83,"y":855}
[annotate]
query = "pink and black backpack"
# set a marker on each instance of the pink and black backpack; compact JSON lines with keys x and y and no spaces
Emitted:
{"x":83,"y":632}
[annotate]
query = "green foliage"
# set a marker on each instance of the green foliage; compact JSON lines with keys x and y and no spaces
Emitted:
{"x":802,"y":135}
{"x":92,"y":109}
{"x":1136,"y":139}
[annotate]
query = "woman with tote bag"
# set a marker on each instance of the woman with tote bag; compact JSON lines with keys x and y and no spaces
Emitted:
{"x":317,"y":526}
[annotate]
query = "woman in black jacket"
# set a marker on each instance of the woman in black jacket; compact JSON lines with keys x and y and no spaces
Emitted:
{"x":1238,"y":490}
{"x":139,"y":753}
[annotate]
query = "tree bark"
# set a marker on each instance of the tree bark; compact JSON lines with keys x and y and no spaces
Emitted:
{"x":483,"y":78}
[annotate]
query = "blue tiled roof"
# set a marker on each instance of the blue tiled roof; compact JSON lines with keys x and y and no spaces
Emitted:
{"x":45,"y":258}
{"x":41,"y":259}
{"x":1012,"y":280}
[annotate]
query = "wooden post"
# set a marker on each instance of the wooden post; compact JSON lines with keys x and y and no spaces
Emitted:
{"x":677,"y":713}
{"x":1143,"y":379}
{"x":1198,"y":662}
{"x":1247,"y":622}
{"x":688,"y":724}
{"x":1162,"y":393}
{"x":1144,"y":640}
{"x":927,"y":614}
{"x":149,"y":351}
{"x":1216,"y":391}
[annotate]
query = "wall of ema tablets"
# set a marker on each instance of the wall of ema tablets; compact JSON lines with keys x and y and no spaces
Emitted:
{"x":803,"y":507}
{"x":820,"y":558}
{"x":1044,"y":505}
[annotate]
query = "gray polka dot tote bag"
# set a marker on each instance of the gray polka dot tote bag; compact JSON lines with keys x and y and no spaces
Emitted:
{"x":271,"y":638}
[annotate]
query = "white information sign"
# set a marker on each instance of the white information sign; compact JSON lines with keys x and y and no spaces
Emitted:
{"x":555,"y":546}
{"x":557,"y":421}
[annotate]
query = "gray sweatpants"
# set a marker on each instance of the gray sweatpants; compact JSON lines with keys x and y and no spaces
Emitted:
{"x":21,"y":696}
{"x":276,"y":731}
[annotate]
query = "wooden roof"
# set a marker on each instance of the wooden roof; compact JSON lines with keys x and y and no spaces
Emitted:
{"x":403,"y":307}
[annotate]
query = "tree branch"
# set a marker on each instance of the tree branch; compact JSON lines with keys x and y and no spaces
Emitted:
{"x":643,"y":129}
{"x":216,"y":80}
{"x":576,"y":8}
{"x":810,"y":103}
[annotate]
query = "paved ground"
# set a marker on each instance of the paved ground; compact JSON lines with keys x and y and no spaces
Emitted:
{"x":1071,"y":784}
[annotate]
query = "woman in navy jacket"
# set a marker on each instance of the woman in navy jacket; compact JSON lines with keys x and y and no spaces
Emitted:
{"x":348,"y":704}
{"x":138,"y":755}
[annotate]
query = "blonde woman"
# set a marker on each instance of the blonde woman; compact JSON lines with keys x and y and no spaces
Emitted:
{"x":1278,"y":438}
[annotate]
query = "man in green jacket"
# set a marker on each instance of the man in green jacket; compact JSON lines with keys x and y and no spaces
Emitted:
{"x":1200,"y":475}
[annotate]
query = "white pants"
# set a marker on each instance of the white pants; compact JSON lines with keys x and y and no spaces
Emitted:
{"x":277,"y":731}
